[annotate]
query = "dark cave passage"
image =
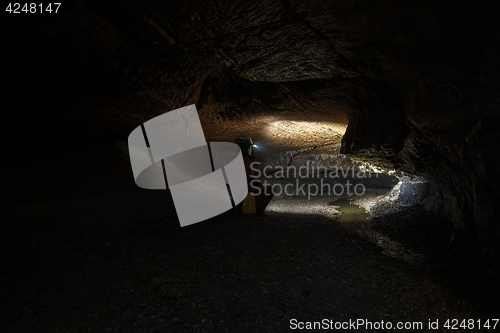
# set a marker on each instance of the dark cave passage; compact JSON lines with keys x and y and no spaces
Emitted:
{"x":391,"y":107}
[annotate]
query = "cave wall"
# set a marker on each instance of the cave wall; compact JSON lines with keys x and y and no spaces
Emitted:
{"x":416,"y":81}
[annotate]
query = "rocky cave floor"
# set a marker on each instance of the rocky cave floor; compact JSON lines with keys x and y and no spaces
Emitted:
{"x":112,"y":257}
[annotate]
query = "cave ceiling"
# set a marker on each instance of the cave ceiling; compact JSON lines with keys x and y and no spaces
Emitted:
{"x":291,"y":74}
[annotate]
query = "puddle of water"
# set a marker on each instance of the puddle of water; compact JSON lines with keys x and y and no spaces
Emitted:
{"x":355,"y":219}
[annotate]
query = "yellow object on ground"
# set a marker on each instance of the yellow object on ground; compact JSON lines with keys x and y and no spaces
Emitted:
{"x":249,"y":204}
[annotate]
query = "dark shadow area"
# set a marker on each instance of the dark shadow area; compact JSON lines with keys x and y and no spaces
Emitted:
{"x":427,"y":233}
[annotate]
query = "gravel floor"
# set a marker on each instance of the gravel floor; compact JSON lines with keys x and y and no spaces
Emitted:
{"x":117,"y":261}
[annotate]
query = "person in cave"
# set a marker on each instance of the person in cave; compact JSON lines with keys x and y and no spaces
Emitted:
{"x":263,"y":193}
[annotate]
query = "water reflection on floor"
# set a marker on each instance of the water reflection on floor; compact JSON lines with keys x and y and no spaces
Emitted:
{"x":355,"y":219}
{"x":352,"y":218}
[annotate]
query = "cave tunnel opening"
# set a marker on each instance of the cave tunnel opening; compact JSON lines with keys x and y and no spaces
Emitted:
{"x":375,"y":124}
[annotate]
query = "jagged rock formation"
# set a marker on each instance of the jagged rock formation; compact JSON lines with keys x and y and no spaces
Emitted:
{"x":416,"y":82}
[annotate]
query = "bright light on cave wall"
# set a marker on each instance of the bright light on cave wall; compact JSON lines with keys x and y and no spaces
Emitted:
{"x":305,"y":132}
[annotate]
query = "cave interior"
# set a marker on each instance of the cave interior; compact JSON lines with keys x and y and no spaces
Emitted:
{"x":407,"y":89}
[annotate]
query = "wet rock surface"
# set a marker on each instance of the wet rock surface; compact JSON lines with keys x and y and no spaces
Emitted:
{"x":418,"y":228}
